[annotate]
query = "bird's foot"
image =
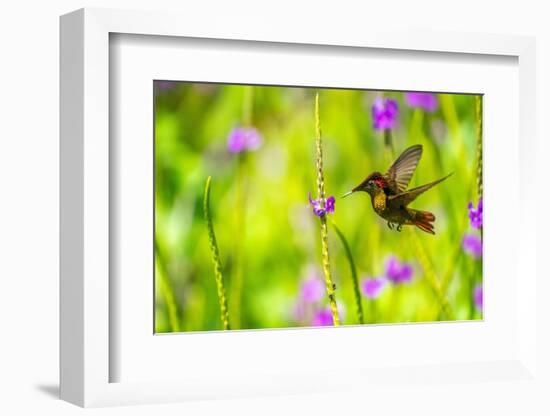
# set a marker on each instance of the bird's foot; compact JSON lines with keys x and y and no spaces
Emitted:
{"x":390,"y":225}
{"x":399,"y":227}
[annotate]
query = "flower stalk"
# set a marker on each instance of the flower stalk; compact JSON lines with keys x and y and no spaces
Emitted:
{"x":224,"y":313}
{"x":479,"y":137}
{"x":479,"y":132}
{"x":330,"y":286}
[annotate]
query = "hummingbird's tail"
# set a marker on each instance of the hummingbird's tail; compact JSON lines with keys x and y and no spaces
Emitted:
{"x":423,"y":220}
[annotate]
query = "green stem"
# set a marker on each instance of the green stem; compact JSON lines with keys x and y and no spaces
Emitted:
{"x":353,"y":269}
{"x":479,"y":117}
{"x":167,"y":290}
{"x":237,"y":281}
{"x":330,"y":286}
{"x":479,"y":134}
{"x":240,"y":212}
{"x":388,"y":145}
{"x":430,"y":275}
{"x":389,"y":151}
{"x":416,"y":130}
{"x":458,"y":253}
{"x":215,"y":256}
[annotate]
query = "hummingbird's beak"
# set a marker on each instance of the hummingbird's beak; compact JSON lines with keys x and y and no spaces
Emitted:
{"x":346,"y":194}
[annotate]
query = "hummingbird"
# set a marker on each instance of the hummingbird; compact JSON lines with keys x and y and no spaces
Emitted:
{"x":390,"y":197}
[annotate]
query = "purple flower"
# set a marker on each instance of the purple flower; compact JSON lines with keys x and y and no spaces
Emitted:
{"x":372,"y":287}
{"x":425,"y":100}
{"x":476,"y":215}
{"x":329,"y":205}
{"x":472,"y":245}
{"x":318,"y":208}
{"x":478,"y":297}
{"x":241,"y":139}
{"x":384,"y":113}
{"x":164,"y":85}
{"x":397,"y":272}
{"x":312,"y":289}
{"x":322,"y":317}
{"x":299,"y":310}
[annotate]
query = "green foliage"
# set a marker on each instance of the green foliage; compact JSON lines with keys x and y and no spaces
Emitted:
{"x":280,"y":244}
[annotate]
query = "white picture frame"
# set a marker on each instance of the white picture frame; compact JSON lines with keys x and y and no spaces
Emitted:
{"x":86,"y":353}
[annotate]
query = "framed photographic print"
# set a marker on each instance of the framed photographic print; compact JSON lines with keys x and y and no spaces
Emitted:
{"x":267,"y":154}
{"x":270,"y":214}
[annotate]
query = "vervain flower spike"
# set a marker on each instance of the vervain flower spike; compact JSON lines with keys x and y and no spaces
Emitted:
{"x":330,"y":286}
{"x":215,"y":256}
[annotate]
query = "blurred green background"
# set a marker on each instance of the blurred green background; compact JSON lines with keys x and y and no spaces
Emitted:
{"x":268,"y":238}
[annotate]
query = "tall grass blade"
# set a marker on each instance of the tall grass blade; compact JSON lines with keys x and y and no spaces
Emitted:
{"x":353,"y":270}
{"x":165,"y":287}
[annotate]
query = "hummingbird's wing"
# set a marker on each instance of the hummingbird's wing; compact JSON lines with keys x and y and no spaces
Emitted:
{"x":405,"y":198}
{"x":400,"y":173}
